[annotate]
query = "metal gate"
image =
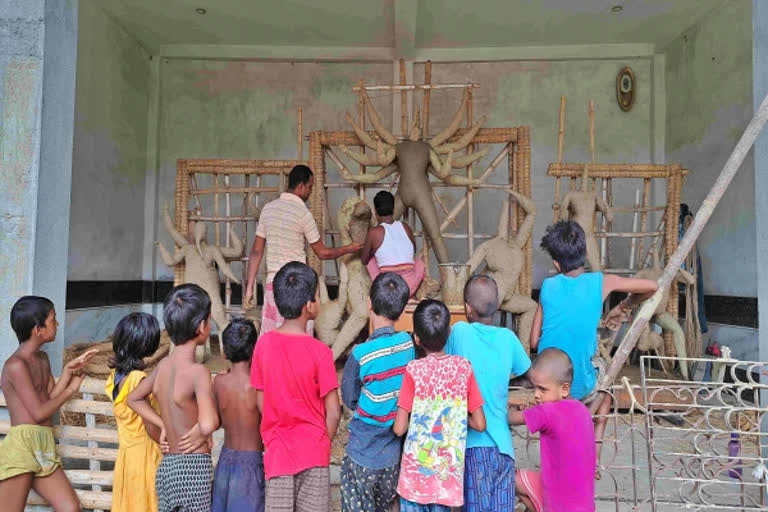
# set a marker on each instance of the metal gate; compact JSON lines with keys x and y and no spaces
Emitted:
{"x":707,"y":441}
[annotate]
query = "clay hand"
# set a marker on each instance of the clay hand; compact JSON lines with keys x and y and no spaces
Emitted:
{"x":192,"y":440}
{"x":165,"y":447}
{"x":81,"y":361}
{"x":615,"y":318}
{"x":250,"y":300}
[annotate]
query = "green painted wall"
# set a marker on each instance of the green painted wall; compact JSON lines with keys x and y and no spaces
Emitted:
{"x":709,"y":103}
{"x":243,"y":109}
{"x":109,"y":156}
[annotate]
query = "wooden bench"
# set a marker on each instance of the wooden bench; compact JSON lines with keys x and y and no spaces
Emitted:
{"x":84,"y":443}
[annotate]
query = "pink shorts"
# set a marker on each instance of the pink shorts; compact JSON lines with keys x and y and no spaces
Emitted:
{"x":530,"y":481}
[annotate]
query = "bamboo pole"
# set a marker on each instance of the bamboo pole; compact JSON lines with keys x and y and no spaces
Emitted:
{"x":300,"y":131}
{"x":412,"y":87}
{"x":427,"y":94}
{"x":470,"y":194}
{"x":730,"y":169}
{"x":403,"y":101}
{"x":644,"y":216}
{"x":361,"y":120}
{"x":560,"y":138}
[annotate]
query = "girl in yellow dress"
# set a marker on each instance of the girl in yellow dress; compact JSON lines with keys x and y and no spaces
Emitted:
{"x":136,"y":336}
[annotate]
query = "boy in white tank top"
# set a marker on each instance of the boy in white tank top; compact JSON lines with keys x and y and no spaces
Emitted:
{"x":390,"y":246}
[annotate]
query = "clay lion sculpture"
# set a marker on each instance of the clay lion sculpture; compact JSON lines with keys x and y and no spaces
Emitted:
{"x":353,"y":220}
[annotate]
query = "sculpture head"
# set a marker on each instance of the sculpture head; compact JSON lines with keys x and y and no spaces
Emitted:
{"x":354,"y":219}
{"x":585,"y":179}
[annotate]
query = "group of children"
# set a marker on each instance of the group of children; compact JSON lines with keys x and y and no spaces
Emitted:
{"x":444,"y":389}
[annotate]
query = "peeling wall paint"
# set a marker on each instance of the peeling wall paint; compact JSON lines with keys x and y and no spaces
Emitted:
{"x":709,"y":103}
{"x":109,"y":156}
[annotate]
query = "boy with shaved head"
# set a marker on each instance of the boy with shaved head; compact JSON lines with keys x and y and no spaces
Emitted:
{"x":566,"y":480}
{"x":496,"y":355}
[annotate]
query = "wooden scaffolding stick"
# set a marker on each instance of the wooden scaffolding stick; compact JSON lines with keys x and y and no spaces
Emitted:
{"x":300,"y":132}
{"x":672,"y":267}
{"x":403,"y":101}
{"x":427,"y":93}
{"x":412,"y":87}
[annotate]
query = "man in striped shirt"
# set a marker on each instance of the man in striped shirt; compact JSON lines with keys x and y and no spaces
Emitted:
{"x":283,"y":226}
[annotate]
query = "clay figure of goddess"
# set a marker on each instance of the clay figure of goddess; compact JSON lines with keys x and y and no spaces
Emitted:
{"x":199,"y":257}
{"x":581,"y":204}
{"x":503,"y":256}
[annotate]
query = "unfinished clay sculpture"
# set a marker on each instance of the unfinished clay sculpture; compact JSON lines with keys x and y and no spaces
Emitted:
{"x":582,"y":204}
{"x":199,"y":257}
{"x":413,"y":159}
{"x":353,"y":220}
{"x":503,"y":256}
{"x":661,"y":316}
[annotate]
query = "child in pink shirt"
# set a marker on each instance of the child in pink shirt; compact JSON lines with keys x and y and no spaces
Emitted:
{"x":567,"y":477}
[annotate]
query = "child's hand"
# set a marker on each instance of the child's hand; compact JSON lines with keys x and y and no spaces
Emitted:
{"x":81,"y":361}
{"x":192,"y":440}
{"x":163,"y":441}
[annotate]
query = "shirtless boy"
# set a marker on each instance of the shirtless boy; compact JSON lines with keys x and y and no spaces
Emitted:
{"x":239,"y":481}
{"x":188,"y":414}
{"x":28,"y":457}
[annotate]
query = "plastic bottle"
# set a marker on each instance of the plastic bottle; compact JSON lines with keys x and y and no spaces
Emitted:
{"x":734,"y":448}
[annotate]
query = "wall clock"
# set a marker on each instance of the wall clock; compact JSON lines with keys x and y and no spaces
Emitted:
{"x":625,"y":88}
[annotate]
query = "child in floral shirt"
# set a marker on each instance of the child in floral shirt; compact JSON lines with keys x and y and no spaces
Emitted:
{"x":438,"y":392}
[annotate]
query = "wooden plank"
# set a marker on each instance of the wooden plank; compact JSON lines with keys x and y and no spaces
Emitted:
{"x":88,"y":499}
{"x":88,"y":407}
{"x":83,"y":477}
{"x":83,"y":452}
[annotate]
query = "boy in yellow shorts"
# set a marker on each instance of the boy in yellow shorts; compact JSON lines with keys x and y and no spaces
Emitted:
{"x":28,"y":457}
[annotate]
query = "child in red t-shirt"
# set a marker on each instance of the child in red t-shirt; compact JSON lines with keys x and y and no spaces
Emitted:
{"x":296,"y":383}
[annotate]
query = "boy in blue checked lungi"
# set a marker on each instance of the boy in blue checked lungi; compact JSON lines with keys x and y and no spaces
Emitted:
{"x":496,"y":355}
{"x":370,"y":387}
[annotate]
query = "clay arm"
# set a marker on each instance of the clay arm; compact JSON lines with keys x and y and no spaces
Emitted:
{"x":218,"y":257}
{"x":348,"y":175}
{"x":381,"y":157}
{"x":604,"y":207}
{"x":442,"y":170}
{"x":169,"y":260}
{"x":168,"y":223}
{"x":477,"y":257}
{"x":373,"y":241}
{"x":526,"y":228}
{"x":236,"y":250}
{"x":685,"y":277}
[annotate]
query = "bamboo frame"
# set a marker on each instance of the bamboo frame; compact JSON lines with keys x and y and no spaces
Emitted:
{"x":222,"y":171}
{"x":674,"y":176}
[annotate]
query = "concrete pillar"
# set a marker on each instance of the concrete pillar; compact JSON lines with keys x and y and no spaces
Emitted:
{"x":38,"y":48}
{"x":759,"y":90}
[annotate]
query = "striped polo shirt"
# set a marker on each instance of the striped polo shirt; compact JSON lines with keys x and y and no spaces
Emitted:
{"x":284,"y":223}
{"x":370,"y":386}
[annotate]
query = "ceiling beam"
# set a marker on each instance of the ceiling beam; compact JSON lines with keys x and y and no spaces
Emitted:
{"x":406,"y":12}
{"x":386,"y":54}
{"x":278,"y":52}
{"x":554,"y":52}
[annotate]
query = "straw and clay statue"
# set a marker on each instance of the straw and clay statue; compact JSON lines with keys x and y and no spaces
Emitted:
{"x":353,"y":220}
{"x":582,"y":204}
{"x":199,"y":257}
{"x":503,"y":257}
{"x":661,"y":316}
{"x":413,"y":159}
